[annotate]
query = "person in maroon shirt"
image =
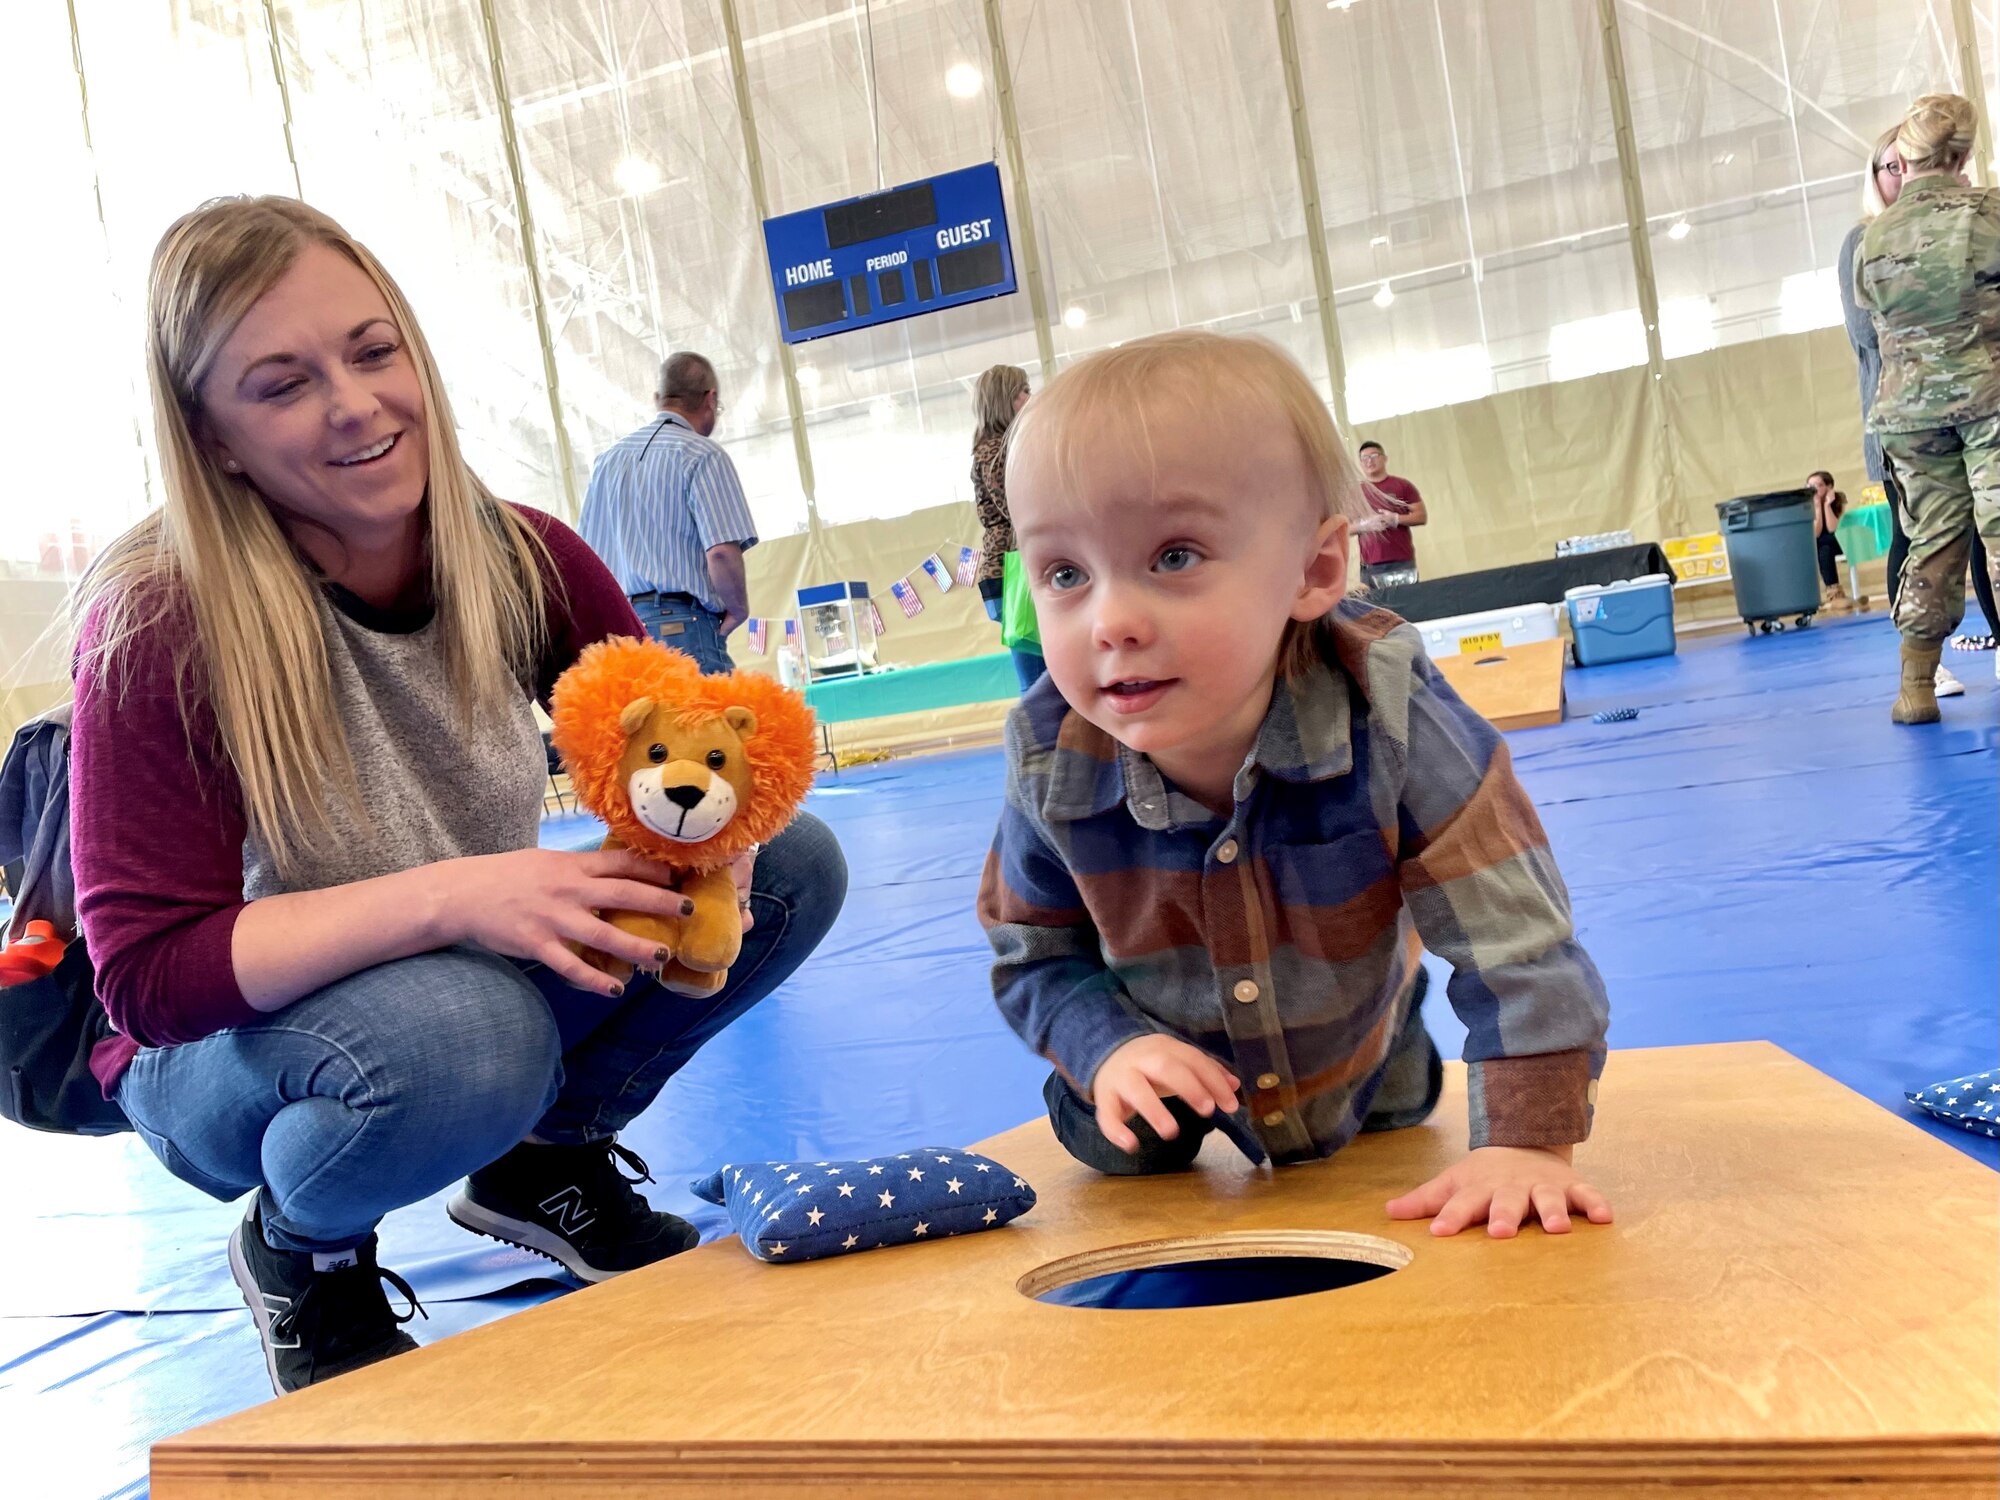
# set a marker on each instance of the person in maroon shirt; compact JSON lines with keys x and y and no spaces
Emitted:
{"x":1389,"y":555}
{"x":305,"y":788}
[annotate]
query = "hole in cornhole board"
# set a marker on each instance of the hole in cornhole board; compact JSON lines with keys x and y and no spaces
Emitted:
{"x":1489,"y":661}
{"x":1215,"y":1270}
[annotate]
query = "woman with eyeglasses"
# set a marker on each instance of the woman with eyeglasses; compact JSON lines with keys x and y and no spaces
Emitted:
{"x":1891,"y":165}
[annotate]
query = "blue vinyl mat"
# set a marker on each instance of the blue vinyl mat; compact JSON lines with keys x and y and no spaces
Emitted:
{"x":1759,"y":854}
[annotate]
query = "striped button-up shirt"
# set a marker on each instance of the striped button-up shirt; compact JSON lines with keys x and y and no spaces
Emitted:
{"x":1375,"y":811}
{"x":659,"y":498}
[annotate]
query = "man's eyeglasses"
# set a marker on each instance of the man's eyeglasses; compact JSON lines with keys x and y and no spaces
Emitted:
{"x":1892,"y":166}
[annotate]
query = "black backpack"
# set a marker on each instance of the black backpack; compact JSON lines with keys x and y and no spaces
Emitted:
{"x":48,"y":1023}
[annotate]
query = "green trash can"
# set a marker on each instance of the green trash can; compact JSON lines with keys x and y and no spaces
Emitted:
{"x":1772,"y":560}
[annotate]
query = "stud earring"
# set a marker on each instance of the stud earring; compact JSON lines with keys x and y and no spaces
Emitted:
{"x":231,"y":465}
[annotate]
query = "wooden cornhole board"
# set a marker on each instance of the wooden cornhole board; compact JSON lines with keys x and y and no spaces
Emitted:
{"x":1515,"y":687}
{"x":1798,"y":1299}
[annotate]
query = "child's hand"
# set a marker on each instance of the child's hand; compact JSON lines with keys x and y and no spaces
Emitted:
{"x":1502,"y":1185}
{"x":1132,"y":1079}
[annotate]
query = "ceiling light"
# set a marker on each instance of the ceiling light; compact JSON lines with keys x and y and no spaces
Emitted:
{"x":1724,"y":158}
{"x":1378,"y":242}
{"x":1679,"y":229}
{"x":1383,"y":296}
{"x":635,"y":175}
{"x":1074,"y":316}
{"x":1339,"y":4}
{"x":807,"y":377}
{"x":963,"y":81}
{"x":882,"y":408}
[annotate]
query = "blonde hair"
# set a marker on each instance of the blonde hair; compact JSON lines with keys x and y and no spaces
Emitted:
{"x":1203,"y":371}
{"x":215,"y":552}
{"x":993,"y":400}
{"x":1938,"y":132}
{"x":1871,"y":190}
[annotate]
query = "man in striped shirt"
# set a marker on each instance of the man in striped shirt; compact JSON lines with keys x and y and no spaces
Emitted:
{"x":666,"y":513}
{"x":1240,"y":803}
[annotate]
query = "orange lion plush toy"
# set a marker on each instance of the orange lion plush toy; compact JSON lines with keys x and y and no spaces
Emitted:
{"x":689,"y":770}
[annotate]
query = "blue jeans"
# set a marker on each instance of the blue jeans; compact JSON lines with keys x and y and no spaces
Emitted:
{"x":385,"y":1086}
{"x":692,"y":628}
{"x":1028,"y":665}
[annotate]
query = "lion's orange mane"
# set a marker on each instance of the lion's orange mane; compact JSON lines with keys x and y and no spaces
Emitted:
{"x":590,"y":696}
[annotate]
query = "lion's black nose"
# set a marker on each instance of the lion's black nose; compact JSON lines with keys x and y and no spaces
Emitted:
{"x":686,"y":798}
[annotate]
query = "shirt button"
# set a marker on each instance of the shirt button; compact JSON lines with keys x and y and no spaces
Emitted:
{"x":1245,"y":991}
{"x":1267,"y":1080}
{"x":1227,"y":853}
{"x":1275,"y":1117}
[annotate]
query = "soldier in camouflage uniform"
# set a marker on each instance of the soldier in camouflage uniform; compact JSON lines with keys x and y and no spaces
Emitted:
{"x":1928,"y":272}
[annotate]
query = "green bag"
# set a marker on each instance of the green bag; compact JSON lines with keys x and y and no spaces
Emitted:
{"x":1019,"y":630}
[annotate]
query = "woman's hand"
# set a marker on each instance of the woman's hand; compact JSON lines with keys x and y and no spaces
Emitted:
{"x":741,"y":869}
{"x":533,"y":903}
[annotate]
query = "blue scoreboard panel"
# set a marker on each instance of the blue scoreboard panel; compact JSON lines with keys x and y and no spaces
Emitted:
{"x":937,"y":243}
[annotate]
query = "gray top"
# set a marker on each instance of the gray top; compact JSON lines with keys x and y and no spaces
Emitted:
{"x":1867,"y":353}
{"x":417,"y":763}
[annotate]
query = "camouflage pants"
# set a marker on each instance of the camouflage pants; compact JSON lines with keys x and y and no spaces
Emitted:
{"x":1951,"y":483}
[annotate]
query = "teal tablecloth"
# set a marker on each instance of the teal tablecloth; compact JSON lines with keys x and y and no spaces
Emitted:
{"x":942,"y":684}
{"x":1864,"y":533}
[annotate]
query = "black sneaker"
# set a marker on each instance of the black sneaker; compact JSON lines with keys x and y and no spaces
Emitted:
{"x":572,"y":1204}
{"x":317,"y":1315}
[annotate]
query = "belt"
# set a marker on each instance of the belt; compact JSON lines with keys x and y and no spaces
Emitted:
{"x":664,"y":596}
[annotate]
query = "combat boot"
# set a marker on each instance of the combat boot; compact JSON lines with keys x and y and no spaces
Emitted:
{"x":1918,"y":702}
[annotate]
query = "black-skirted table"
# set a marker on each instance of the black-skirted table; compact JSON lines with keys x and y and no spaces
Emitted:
{"x":1522,"y":583}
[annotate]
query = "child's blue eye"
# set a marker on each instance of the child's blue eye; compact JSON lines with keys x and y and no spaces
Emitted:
{"x":1178,"y":559}
{"x":1065,"y":576}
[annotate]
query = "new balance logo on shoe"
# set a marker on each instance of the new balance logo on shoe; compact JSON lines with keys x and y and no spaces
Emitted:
{"x":569,"y":1211}
{"x":573,"y":1204}
{"x":277,"y":1307}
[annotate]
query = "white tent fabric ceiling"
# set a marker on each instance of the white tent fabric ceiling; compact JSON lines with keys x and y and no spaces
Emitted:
{"x":1467,"y":175}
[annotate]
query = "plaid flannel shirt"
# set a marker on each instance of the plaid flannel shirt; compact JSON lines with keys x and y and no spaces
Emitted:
{"x":1374,"y":811}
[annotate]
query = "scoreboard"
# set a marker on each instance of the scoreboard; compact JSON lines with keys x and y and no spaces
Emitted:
{"x":937,"y":243}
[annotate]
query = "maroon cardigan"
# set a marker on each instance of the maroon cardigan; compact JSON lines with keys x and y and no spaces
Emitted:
{"x":157,"y":821}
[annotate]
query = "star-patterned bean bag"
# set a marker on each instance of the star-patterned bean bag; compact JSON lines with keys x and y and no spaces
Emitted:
{"x":1972,"y":1102}
{"x":808,"y":1210}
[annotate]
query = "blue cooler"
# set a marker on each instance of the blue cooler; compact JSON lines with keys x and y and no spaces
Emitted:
{"x":1622,"y":621}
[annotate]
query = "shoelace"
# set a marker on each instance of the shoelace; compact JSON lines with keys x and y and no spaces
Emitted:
{"x":617,"y":1190}
{"x":347,"y":1300}
{"x":631,"y":1159}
